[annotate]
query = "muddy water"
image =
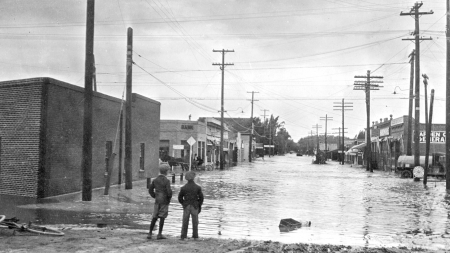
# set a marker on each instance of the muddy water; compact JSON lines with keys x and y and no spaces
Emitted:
{"x":346,"y":205}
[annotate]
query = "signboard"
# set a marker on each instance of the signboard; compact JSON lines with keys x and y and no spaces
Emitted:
{"x":178,"y":146}
{"x":435,"y":137}
{"x":191,"y":141}
{"x":187,"y":127}
{"x":269,"y":146}
{"x":384,"y":131}
{"x":397,"y":121}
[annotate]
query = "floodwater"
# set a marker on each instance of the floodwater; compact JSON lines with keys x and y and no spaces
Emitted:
{"x":346,"y":205}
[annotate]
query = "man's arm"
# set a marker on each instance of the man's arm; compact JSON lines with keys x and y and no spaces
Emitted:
{"x":180,"y":196}
{"x":200,"y":196}
{"x":169,"y":190}
{"x":151,"y":189}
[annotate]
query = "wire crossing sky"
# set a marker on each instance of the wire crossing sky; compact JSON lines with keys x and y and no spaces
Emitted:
{"x":300,"y":56}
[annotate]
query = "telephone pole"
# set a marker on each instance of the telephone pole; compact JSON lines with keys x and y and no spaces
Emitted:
{"x":339,"y":142}
{"x":411,"y":88}
{"x":251,"y":130}
{"x":86,"y":163}
{"x":264,"y":122}
{"x":317,"y":126}
{"x":345,"y":106}
{"x":128,"y":142}
{"x":222,"y":67}
{"x":415,"y":12}
{"x":326,"y":118}
{"x":447,"y":101}
{"x":427,"y":136}
{"x":367,"y":86}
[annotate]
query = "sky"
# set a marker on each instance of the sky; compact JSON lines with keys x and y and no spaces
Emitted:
{"x":298,"y":57}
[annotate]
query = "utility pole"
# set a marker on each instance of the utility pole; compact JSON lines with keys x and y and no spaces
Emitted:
{"x":428,"y":135}
{"x":425,"y":84}
{"x":222,"y":67}
{"x":317,"y":126}
{"x":447,"y":102}
{"x":345,"y":106}
{"x":411,"y":88}
{"x":86,"y":163}
{"x":94,"y":74}
{"x":339,"y":142}
{"x":326,"y":118}
{"x":367,"y":86}
{"x":264,"y":122}
{"x":415,"y":12}
{"x":128,"y":144}
{"x":251,"y":130}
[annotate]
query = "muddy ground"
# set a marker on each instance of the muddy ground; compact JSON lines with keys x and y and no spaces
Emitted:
{"x":93,"y":239}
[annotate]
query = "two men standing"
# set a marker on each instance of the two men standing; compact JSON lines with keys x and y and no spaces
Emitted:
{"x":190,"y":196}
{"x":161,"y":191}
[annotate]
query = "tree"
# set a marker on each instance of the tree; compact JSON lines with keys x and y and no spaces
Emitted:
{"x":282,"y":139}
{"x":361,"y":135}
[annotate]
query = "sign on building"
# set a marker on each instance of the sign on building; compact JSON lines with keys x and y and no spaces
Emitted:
{"x":178,"y":147}
{"x":384,"y":131}
{"x":397,"y":121}
{"x":435,"y":137}
{"x":187,"y":127}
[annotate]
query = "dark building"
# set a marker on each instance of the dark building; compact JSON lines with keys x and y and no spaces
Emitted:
{"x":41,"y":130}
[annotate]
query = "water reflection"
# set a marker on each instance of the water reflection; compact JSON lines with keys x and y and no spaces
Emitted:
{"x":346,"y":205}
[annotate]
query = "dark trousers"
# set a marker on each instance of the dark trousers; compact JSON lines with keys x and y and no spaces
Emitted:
{"x":187,"y":212}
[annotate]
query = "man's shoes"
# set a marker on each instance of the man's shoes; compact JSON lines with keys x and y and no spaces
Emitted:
{"x":160,"y":236}
{"x":182,"y":238}
{"x":149,"y":236}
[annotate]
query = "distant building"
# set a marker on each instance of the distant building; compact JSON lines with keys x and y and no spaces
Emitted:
{"x":41,"y":130}
{"x":174,"y":135}
{"x":389,"y":140}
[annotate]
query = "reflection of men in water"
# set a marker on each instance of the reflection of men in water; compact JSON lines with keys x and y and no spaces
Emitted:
{"x":191,"y":197}
{"x":162,"y":193}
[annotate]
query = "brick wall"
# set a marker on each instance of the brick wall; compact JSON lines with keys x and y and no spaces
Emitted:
{"x":60,"y":133}
{"x":20,"y":116}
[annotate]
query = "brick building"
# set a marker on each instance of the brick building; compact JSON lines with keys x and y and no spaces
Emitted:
{"x":41,"y":130}
{"x":177,"y":132}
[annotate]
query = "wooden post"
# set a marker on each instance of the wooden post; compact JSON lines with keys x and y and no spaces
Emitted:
{"x":86,"y":163}
{"x":120,"y":146}
{"x":428,"y":135}
{"x":109,"y":159}
{"x":128,"y":150}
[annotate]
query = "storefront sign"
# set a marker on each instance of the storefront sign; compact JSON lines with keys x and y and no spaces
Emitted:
{"x":187,"y":127}
{"x":435,"y":137}
{"x":397,"y":121}
{"x":384,"y":131}
{"x":178,"y":146}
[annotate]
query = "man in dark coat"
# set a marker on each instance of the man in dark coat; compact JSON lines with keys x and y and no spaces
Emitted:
{"x":191,"y":197}
{"x":162,"y":193}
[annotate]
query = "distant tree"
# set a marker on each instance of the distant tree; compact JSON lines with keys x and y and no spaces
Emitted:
{"x":361,"y":135}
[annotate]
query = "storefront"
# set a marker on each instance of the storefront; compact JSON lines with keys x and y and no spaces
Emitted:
{"x":174,"y":136}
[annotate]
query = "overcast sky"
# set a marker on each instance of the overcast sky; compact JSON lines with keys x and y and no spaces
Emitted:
{"x":299,"y":56}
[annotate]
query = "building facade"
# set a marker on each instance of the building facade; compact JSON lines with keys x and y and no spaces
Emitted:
{"x":41,"y":130}
{"x":389,"y":140}
{"x":174,"y":136}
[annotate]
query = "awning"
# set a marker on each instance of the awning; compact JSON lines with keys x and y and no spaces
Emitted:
{"x":358,"y":147}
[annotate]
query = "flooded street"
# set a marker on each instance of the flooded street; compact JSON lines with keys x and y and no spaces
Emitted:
{"x":346,"y":205}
